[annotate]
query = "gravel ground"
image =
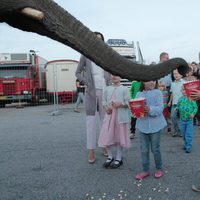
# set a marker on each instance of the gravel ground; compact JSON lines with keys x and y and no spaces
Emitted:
{"x":43,"y":157}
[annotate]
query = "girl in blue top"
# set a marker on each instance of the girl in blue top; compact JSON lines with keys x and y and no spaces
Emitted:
{"x":150,"y":127}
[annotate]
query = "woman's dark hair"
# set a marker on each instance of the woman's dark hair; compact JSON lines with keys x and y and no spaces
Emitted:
{"x":98,"y":33}
{"x":143,"y":88}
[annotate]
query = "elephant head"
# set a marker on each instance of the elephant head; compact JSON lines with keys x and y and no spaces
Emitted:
{"x":49,"y":19}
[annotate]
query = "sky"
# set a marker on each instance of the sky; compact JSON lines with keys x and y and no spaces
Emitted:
{"x":159,"y":26}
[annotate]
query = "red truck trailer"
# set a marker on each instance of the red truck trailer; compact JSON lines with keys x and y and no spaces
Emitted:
{"x":22,"y":77}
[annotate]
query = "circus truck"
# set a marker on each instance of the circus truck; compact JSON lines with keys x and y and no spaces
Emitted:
{"x":22,"y":77}
{"x":61,"y":80}
{"x":125,"y":49}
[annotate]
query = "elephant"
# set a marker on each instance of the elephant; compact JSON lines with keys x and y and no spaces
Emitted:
{"x":47,"y":18}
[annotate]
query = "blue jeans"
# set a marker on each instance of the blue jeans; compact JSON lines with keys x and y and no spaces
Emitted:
{"x":81,"y":97}
{"x":186,"y":128}
{"x":153,"y":140}
{"x":174,"y":119}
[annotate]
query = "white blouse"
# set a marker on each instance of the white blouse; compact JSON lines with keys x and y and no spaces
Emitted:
{"x":98,"y":76}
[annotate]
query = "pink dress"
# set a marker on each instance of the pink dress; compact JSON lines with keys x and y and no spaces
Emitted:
{"x":113,"y":133}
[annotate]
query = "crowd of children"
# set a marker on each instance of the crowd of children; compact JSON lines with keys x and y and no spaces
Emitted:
{"x":165,"y":107}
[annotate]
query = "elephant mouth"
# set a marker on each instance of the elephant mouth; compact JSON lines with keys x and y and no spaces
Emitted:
{"x":49,"y":19}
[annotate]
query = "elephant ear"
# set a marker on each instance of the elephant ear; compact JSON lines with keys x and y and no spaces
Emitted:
{"x":49,"y":19}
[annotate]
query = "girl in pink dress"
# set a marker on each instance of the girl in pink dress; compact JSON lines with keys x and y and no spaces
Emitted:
{"x":115,"y":127}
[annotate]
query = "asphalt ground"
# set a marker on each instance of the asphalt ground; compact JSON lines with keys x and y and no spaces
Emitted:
{"x":43,"y":157}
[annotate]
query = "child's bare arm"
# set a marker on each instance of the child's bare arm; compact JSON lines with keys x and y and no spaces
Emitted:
{"x":170,"y":99}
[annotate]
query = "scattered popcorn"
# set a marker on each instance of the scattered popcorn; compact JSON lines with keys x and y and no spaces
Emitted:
{"x":92,"y":198}
{"x":104,"y":194}
{"x":125,"y":194}
{"x":139,"y":197}
{"x":154,"y":189}
{"x":167,"y":190}
{"x":159,"y":190}
{"x":150,"y":198}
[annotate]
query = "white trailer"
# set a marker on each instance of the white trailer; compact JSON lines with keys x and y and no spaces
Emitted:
{"x":61,"y":79}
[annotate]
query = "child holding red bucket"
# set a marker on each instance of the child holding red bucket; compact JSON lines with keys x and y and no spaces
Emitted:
{"x":115,"y":128}
{"x":187,"y":109}
{"x":150,"y":127}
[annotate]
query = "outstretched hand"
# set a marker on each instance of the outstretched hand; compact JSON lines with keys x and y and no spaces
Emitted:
{"x":195,"y":94}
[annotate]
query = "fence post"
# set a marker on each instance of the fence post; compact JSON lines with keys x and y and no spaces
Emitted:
{"x":56,"y":110}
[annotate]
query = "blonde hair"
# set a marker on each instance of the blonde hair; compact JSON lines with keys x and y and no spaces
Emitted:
{"x":161,"y":84}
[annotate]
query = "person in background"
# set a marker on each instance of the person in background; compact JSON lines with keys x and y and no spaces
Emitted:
{"x":196,"y":74}
{"x":133,"y":91}
{"x":95,"y":80}
{"x":167,"y":80}
{"x":174,"y":97}
{"x":187,"y":110}
{"x":195,"y":94}
{"x":191,"y":77}
{"x":166,"y":114}
{"x":115,"y":128}
{"x":196,"y":70}
{"x":80,"y":94}
{"x":150,"y":127}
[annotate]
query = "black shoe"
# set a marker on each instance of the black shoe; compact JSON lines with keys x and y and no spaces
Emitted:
{"x":174,"y":135}
{"x":188,"y":150}
{"x":169,"y":130}
{"x":116,"y":165}
{"x":108,"y":162}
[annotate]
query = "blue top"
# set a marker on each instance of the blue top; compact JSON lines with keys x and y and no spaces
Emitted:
{"x":153,"y":121}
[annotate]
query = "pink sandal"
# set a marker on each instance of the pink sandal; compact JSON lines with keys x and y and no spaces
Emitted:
{"x":141,"y":176}
{"x":158,"y":174}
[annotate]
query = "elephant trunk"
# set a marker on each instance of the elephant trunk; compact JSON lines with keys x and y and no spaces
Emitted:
{"x":58,"y":24}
